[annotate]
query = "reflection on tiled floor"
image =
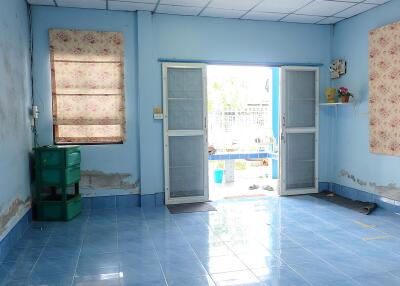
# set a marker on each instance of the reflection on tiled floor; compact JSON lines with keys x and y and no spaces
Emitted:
{"x":240,"y":188}
{"x":270,"y":241}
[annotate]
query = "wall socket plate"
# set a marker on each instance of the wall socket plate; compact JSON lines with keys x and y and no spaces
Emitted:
{"x":158,"y":113}
{"x":158,"y":116}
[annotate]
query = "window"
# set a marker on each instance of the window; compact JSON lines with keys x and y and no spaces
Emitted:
{"x":87,"y":72}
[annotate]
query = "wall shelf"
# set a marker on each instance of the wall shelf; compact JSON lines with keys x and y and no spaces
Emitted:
{"x":335,"y":104}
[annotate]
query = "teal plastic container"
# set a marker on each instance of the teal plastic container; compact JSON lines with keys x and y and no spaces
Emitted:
{"x":218,"y":176}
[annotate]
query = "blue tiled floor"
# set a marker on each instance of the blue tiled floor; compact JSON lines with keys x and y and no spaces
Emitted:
{"x":270,"y":241}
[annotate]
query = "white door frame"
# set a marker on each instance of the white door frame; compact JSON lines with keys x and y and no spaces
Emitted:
{"x":168,"y":133}
{"x":283,"y":131}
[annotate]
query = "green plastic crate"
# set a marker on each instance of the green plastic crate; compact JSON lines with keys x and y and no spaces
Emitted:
{"x":58,"y":156}
{"x":57,"y":168}
{"x":58,"y":177}
{"x":57,"y":165}
{"x":56,"y":210}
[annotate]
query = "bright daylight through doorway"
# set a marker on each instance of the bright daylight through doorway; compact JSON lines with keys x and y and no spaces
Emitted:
{"x":243,"y":150}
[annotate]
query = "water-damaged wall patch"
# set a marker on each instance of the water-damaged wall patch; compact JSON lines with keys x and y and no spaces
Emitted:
{"x":349,"y":176}
{"x":99,"y":180}
{"x":15,"y":103}
{"x":13,"y":210}
{"x":391,"y":191}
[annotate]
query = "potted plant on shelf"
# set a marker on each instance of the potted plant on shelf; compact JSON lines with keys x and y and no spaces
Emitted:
{"x":344,"y":94}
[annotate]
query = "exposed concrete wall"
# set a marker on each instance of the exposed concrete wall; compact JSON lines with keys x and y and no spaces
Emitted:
{"x":15,"y":101}
{"x":97,"y":183}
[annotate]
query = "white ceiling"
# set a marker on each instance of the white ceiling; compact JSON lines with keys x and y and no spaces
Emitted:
{"x":298,"y":11}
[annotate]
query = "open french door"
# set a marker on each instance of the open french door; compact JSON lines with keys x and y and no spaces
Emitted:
{"x":185,"y":133}
{"x":299,"y":130}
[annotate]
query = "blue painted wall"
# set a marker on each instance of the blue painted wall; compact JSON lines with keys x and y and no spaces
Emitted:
{"x":351,"y":156}
{"x":15,"y":99}
{"x":153,"y":36}
{"x":198,"y":38}
{"x":106,"y":159}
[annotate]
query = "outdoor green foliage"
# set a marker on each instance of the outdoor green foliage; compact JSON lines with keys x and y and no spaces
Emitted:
{"x":228,"y":94}
{"x":240,"y":165}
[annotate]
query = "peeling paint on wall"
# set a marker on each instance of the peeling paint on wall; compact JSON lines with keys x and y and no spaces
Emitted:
{"x":349,"y":176}
{"x":13,"y":210}
{"x":15,"y":103}
{"x":391,"y":191}
{"x":95,"y":180}
{"x":14,"y":96}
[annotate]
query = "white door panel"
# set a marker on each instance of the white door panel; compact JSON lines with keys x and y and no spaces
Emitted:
{"x":299,"y":130}
{"x":185,"y":133}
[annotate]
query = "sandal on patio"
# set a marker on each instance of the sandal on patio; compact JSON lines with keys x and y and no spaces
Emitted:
{"x":268,"y":188}
{"x":253,"y":187}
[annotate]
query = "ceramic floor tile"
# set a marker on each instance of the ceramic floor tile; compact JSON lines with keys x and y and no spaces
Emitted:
{"x":16,"y":269}
{"x":54,"y":279}
{"x":138,"y":256}
{"x":61,"y":251}
{"x":319,"y":273}
{"x":24,"y":254}
{"x":219,"y":264}
{"x":10,"y":282}
{"x":88,"y":263}
{"x":212,"y":249}
{"x":386,"y":279}
{"x":192,"y":281}
{"x":273,"y":241}
{"x":342,"y":283}
{"x":354,"y":266}
{"x":254,"y":260}
{"x":103,"y":279}
{"x":238,"y":278}
{"x":182,"y":268}
{"x":91,"y":247}
{"x":54,"y":265}
{"x":248,"y":246}
{"x":295,"y":256}
{"x":282,"y":276}
{"x":142,"y":273}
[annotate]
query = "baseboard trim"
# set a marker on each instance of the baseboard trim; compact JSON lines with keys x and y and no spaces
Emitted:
{"x":16,"y":232}
{"x":123,"y":201}
{"x":356,"y":194}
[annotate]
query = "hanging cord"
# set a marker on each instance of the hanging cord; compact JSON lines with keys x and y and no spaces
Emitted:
{"x":34,"y":129}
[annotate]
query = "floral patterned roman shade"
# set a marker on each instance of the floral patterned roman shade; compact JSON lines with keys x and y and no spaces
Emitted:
{"x":87,"y":86}
{"x":384,"y":89}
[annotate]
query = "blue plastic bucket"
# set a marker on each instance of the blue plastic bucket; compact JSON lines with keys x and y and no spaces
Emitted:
{"x":218,"y":175}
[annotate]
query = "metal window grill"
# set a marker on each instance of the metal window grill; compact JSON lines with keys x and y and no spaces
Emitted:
{"x":247,"y":127}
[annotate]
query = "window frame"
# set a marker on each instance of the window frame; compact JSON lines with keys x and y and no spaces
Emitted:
{"x":117,"y":57}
